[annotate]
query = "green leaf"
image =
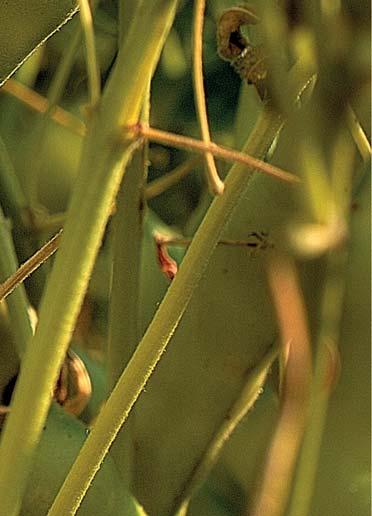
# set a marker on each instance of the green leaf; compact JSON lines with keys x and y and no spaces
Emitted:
{"x":62,"y":438}
{"x":226,"y":331}
{"x":26,"y":24}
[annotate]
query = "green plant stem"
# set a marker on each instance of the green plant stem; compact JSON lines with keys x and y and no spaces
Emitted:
{"x":288,"y":299}
{"x":16,"y":278}
{"x":124,"y":332}
{"x":60,"y":78}
{"x":359,"y":136}
{"x":17,"y":302}
{"x":101,"y":170}
{"x":12,"y":197}
{"x":341,"y":179}
{"x":331,"y":311}
{"x":124,"y":296}
{"x":128,"y":229}
{"x":90,"y":49}
{"x":55,"y":91}
{"x":161,"y":184}
{"x":161,"y":329}
{"x":237,"y":412}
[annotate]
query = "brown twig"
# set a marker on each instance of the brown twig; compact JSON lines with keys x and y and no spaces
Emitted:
{"x":185,"y":142}
{"x":30,"y":266}
{"x":38,"y":103}
{"x":215,"y":184}
{"x":295,"y":390}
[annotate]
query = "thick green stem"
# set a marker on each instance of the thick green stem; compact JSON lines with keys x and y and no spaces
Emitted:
{"x":101,"y":170}
{"x":124,"y":299}
{"x":128,"y":226}
{"x":161,"y":329}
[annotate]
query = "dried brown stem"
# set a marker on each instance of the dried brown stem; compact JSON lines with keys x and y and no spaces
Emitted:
{"x":30,"y":266}
{"x":295,"y":393}
{"x":185,"y":142}
{"x":216,"y":186}
{"x":38,"y":103}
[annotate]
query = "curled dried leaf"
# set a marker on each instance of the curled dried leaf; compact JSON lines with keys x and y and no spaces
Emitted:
{"x":167,"y":264}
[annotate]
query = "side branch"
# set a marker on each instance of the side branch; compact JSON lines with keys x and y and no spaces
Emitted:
{"x":185,"y":142}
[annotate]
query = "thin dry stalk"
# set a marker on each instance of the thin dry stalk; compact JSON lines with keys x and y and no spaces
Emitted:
{"x":282,"y":455}
{"x":216,"y":186}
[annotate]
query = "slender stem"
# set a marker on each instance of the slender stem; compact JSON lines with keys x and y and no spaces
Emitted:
{"x":12,"y":197}
{"x":295,"y":342}
{"x":101,"y":170}
{"x":64,"y":118}
{"x":216,"y":186}
{"x":159,"y":333}
{"x":60,"y":78}
{"x":161,"y":184}
{"x":90,"y":49}
{"x":184,"y":142}
{"x":29,"y":266}
{"x":331,"y":311}
{"x":358,"y":134}
{"x":233,"y":417}
{"x":41,"y":125}
{"x":17,"y":303}
{"x":40,"y":104}
{"x":327,"y":346}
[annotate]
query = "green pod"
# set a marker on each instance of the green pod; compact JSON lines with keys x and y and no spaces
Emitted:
{"x":61,"y":441}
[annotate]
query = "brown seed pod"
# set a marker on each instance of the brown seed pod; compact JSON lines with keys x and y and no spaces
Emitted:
{"x":248,"y":61}
{"x":251,"y":64}
{"x":73,"y":389}
{"x":231,"y":43}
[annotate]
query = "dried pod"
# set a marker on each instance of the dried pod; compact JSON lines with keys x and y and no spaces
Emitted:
{"x":251,"y":64}
{"x":73,"y":389}
{"x":248,"y":61}
{"x":231,"y":42}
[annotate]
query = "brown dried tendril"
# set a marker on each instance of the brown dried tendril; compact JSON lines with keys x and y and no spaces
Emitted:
{"x":249,"y":61}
